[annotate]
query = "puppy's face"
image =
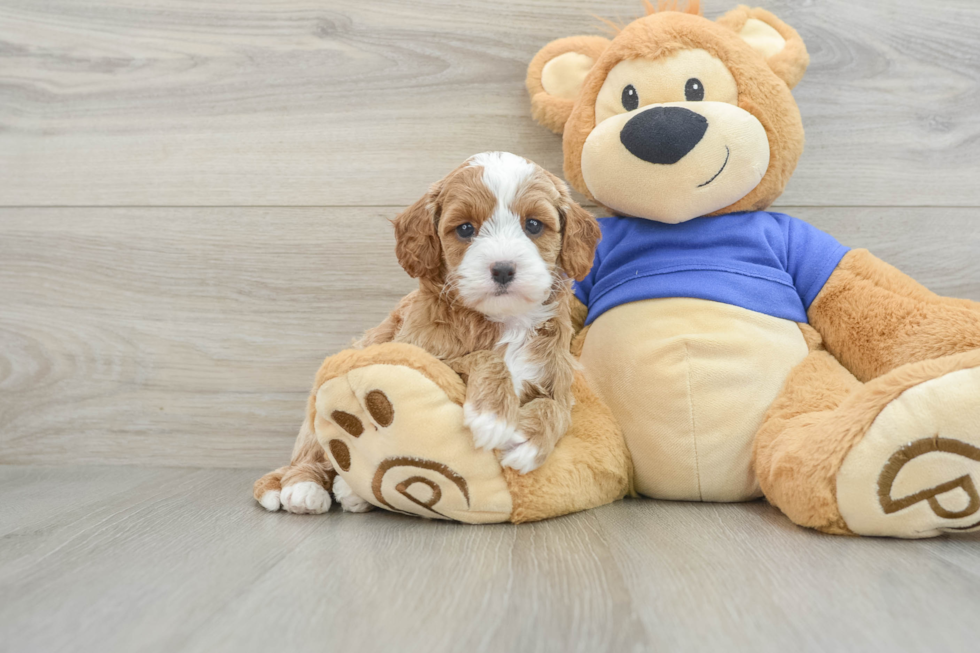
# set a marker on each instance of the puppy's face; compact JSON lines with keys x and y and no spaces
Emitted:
{"x":499,"y":231}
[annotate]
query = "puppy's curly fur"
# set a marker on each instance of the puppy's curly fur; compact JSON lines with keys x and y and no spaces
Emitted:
{"x":508,"y":336}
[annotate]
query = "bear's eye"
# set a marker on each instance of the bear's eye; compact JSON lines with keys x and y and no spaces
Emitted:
{"x":694,"y":90}
{"x":630,"y":99}
{"x":534,"y":227}
{"x":465,"y":231}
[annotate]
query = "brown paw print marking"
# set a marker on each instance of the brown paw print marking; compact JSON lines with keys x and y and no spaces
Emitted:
{"x":380,"y":408}
{"x":403,"y":488}
{"x":348,"y":422}
{"x":912,"y":451}
{"x":341,"y":454}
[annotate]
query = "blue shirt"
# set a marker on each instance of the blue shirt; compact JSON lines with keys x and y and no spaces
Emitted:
{"x":765,"y":262}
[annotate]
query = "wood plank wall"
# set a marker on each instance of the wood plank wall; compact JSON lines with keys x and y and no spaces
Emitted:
{"x":194,"y":195}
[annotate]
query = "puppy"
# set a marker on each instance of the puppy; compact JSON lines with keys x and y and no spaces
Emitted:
{"x":494,"y":245}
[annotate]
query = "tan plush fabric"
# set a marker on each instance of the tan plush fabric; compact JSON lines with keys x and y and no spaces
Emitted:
{"x":874,"y":430}
{"x":795,"y":461}
{"x":390,"y":419}
{"x":562,"y":76}
{"x":622,"y":182}
{"x":822,"y":413}
{"x":790,"y":63}
{"x":552,"y":111}
{"x":915,"y":472}
{"x":394,"y":353}
{"x":762,"y":37}
{"x":423,"y":461}
{"x":590,"y":466}
{"x":689,"y":382}
{"x":873,"y":318}
{"x":763,"y":88}
{"x":875,"y":324}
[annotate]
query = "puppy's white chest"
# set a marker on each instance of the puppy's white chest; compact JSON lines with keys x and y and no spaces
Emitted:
{"x":521,"y":364}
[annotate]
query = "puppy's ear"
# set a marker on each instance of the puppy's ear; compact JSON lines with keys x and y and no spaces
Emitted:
{"x":417,"y":244}
{"x":580,"y":235}
{"x":555,"y":76}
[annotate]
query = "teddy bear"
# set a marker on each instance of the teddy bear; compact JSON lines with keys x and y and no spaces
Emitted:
{"x":728,"y":352}
{"x":743,"y":352}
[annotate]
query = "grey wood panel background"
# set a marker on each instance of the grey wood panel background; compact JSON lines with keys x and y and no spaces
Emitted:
{"x":126,"y":559}
{"x":189,"y":336}
{"x":194,"y":194}
{"x":308,"y":102}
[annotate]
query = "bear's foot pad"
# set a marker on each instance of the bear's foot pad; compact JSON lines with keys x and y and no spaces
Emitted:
{"x":398,"y":442}
{"x":916,"y":472}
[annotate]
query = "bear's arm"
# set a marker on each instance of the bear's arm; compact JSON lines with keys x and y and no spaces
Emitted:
{"x":874,"y":318}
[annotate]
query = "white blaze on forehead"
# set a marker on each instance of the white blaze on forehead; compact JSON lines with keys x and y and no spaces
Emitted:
{"x":504,"y":174}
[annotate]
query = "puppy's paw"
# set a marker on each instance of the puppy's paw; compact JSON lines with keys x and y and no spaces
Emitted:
{"x":349,"y":501}
{"x":305,"y":498}
{"x":523,"y":458}
{"x":270,"y":500}
{"x":489,"y":430}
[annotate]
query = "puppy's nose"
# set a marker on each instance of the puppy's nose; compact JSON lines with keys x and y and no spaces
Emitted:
{"x":503,"y":273}
{"x":663,"y":134}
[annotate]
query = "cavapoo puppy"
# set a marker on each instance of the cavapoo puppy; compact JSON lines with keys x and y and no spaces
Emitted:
{"x":494,"y":245}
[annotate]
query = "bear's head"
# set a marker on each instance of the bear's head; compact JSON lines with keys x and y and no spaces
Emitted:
{"x":677,"y":116}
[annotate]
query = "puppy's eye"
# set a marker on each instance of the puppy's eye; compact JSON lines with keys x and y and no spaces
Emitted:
{"x":534,"y":227}
{"x":630,"y":98}
{"x":465,"y":231}
{"x":694,"y":90}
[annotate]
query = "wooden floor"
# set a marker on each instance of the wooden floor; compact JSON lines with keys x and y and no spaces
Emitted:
{"x":194,"y":198}
{"x":150,"y":559}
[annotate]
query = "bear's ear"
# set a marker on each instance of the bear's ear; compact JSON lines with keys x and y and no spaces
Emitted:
{"x":555,"y":76}
{"x":779,"y":43}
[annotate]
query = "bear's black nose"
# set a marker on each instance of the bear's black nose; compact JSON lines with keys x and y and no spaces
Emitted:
{"x":663,"y":134}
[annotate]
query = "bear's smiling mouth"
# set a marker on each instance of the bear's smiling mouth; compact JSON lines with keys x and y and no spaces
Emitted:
{"x":728,"y":154}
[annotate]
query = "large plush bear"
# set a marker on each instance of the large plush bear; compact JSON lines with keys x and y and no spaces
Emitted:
{"x":729,"y":352}
{"x":744,"y":353}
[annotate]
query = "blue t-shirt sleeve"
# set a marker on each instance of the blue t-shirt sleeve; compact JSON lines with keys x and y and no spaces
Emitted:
{"x":811,"y":257}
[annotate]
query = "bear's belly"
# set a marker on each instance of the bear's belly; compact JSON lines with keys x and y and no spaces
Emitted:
{"x":689,"y":381}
